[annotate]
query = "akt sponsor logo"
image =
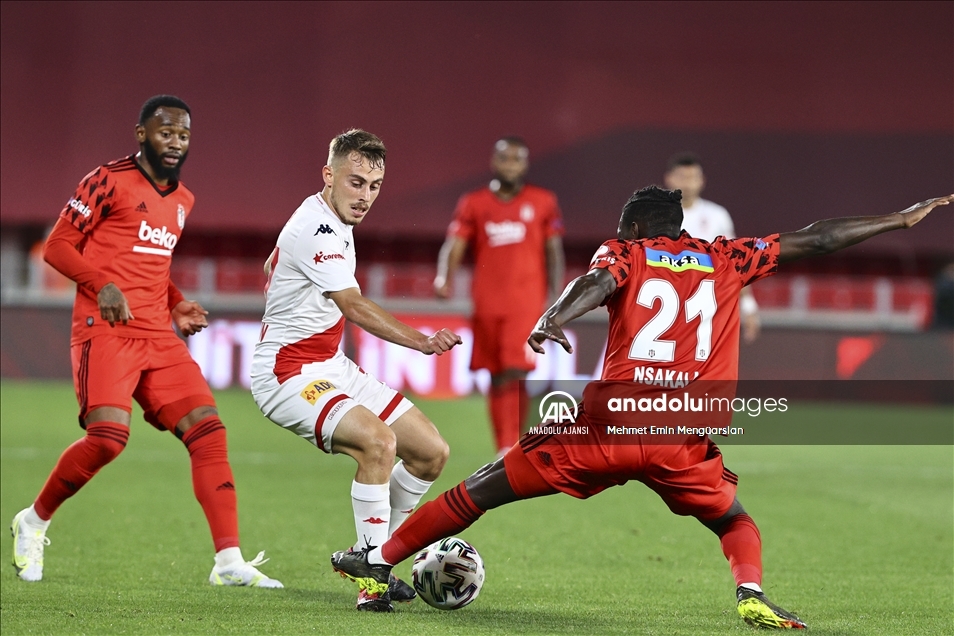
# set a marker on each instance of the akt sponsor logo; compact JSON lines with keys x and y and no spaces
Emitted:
{"x":157,"y":236}
{"x":80,"y":207}
{"x":315,"y":389}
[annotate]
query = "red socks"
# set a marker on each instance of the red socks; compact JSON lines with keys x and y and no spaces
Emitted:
{"x":212,"y":480}
{"x":447,"y":515}
{"x":742,"y":546}
{"x":103,"y":442}
{"x":506,"y":413}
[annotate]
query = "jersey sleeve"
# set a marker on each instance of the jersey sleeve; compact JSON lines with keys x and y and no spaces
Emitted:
{"x":321,"y":259}
{"x":464,"y":225}
{"x":93,"y":200}
{"x":614,"y":257}
{"x":752,"y":258}
{"x":554,"y":219}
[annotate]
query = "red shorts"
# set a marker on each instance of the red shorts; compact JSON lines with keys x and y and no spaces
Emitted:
{"x":689,"y":477}
{"x":159,"y":372}
{"x":500,"y":343}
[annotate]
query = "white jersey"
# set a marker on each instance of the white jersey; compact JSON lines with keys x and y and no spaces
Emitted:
{"x":707,"y":220}
{"x":314,"y":255}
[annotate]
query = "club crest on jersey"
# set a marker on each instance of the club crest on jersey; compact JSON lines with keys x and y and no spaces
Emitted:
{"x":315,"y":389}
{"x":526,"y":212}
{"x":680,"y":262}
{"x":180,"y":216}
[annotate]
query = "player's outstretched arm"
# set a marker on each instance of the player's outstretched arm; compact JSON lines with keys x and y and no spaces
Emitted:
{"x":448,"y":261}
{"x":831,"y":235}
{"x":368,"y":315}
{"x":583,"y":294}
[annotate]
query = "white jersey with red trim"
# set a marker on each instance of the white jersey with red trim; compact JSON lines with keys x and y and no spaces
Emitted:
{"x":314,"y":256}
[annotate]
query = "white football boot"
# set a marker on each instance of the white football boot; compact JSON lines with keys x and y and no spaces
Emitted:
{"x":243,"y":573}
{"x":28,"y":544}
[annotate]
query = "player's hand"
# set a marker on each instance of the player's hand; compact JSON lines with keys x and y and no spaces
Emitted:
{"x":190,"y":317}
{"x":751,"y":327}
{"x":918,"y":211}
{"x":546,"y":330}
{"x":113,"y":306}
{"x":443,"y":340}
{"x":442,"y":288}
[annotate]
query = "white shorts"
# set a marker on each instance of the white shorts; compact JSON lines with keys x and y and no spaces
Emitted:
{"x":312,"y":404}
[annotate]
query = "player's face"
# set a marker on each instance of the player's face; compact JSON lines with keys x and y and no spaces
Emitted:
{"x":510,"y":162}
{"x":352,"y":184}
{"x":164,"y":141}
{"x":689,"y":179}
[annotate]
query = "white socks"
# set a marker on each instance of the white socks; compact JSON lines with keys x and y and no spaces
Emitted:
{"x":372,"y":513}
{"x":34,"y":521}
{"x":228,"y":556}
{"x":406,"y":491}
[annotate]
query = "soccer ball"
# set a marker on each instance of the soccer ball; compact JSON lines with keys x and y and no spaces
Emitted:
{"x":448,"y":574}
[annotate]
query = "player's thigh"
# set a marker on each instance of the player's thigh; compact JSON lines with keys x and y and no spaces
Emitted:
{"x":691,"y":478}
{"x":106,"y":370}
{"x":418,"y":440}
{"x":173,"y":385}
{"x":486,"y":349}
{"x":515,"y":353}
{"x":362,"y":435}
{"x":311,"y":405}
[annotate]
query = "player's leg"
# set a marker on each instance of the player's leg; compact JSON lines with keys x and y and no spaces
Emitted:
{"x":692,"y":480}
{"x":515,"y":360}
{"x":423,"y":453}
{"x":175,"y":397}
{"x":104,"y":374}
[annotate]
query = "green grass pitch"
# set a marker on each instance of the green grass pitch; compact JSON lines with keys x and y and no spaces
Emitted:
{"x":856,"y":539}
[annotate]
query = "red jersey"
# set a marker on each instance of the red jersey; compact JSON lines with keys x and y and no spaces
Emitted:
{"x":131,"y":227}
{"x":509,"y":243}
{"x":674,"y":316}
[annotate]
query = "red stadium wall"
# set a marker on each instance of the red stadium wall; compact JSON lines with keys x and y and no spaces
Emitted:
{"x":39,"y":348}
{"x":800,"y":110}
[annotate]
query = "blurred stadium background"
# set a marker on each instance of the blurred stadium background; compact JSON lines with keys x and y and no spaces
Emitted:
{"x":799,"y":111}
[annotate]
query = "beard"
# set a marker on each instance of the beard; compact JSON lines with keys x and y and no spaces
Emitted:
{"x":162,"y":171}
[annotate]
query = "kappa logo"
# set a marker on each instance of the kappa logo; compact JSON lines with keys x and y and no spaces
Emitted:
{"x":321,"y":257}
{"x":374,"y":520}
{"x":315,"y":389}
{"x":325,"y":229}
{"x":555,"y":408}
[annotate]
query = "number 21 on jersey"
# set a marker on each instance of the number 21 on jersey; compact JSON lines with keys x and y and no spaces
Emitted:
{"x":702,"y":304}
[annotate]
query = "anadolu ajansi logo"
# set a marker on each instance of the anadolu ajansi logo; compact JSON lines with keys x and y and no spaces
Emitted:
{"x":558,"y":407}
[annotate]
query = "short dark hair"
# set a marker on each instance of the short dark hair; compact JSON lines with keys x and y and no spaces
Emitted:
{"x":654,"y":208}
{"x":683,"y":159}
{"x":155,"y":103}
{"x":364,"y":143}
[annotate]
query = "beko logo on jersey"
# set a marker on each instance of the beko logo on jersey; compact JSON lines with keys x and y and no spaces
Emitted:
{"x":80,"y":207}
{"x":505,"y":232}
{"x":156,"y":236}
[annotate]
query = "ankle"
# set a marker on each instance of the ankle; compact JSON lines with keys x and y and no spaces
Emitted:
{"x":228,"y":556}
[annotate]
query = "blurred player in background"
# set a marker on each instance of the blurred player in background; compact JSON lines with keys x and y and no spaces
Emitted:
{"x":515,"y":230}
{"x":707,"y":220}
{"x":303,"y":382}
{"x":652,"y":272}
{"x":115,"y":239}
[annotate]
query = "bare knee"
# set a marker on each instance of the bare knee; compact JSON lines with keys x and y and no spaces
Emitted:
{"x":193,"y":417}
{"x":431,"y":462}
